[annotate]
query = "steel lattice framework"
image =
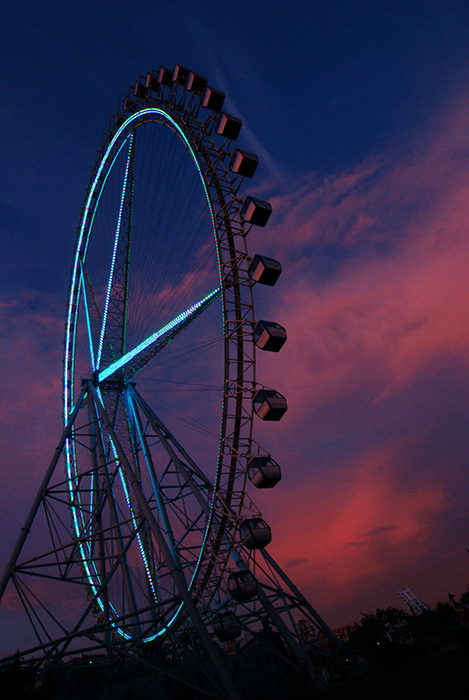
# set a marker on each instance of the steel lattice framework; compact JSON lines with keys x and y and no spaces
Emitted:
{"x":167,"y":551}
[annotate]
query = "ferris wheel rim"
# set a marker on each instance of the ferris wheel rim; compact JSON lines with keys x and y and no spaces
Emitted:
{"x":72,"y":311}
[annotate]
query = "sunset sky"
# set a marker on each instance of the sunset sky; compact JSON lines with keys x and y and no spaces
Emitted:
{"x":359,"y":112}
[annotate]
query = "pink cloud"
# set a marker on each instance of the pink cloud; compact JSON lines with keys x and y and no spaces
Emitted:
{"x":376,"y":328}
{"x":31,"y":355}
{"x":387,"y":313}
{"x":363,"y":522}
{"x":367,"y":506}
{"x":30,"y":402}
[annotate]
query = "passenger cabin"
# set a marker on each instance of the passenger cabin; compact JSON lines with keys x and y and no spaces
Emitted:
{"x":269,"y":404}
{"x":264,"y":472}
{"x":165,"y":76}
{"x":269,"y":336}
{"x":227,"y":626}
{"x":228,"y":126}
{"x":264,"y":270}
{"x":243,"y":163}
{"x":213,"y":99}
{"x":180,"y":74}
{"x":254,"y":533}
{"x":152,"y":83}
{"x":256,"y":211}
{"x":196,"y":82}
{"x":140,"y":90}
{"x":129,"y":105}
{"x":242,"y":585}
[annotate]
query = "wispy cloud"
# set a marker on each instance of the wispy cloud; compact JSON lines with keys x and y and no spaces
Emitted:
{"x":364,"y":520}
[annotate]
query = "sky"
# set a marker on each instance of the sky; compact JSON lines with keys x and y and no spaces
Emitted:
{"x":359,"y":113}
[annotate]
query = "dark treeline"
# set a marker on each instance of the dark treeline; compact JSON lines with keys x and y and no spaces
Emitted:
{"x":386,"y":636}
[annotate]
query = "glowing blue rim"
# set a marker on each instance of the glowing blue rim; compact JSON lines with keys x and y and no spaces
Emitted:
{"x":71,"y":325}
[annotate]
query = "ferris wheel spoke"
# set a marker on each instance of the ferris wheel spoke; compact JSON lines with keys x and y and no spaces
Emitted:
{"x":114,"y":319}
{"x":87,"y":315}
{"x":134,"y":360}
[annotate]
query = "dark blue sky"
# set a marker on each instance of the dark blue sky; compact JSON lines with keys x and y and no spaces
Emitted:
{"x":320,"y":85}
{"x":357,"y":110}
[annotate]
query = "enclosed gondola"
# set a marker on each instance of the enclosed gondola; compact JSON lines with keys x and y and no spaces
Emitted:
{"x":242,"y":585}
{"x":269,"y":404}
{"x":227,"y":626}
{"x":269,"y":336}
{"x":264,"y":270}
{"x":254,"y":533}
{"x":263,"y":472}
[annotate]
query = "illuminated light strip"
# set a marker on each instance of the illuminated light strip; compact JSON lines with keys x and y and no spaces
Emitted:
{"x":114,"y":253}
{"x":134,"y":521}
{"x":98,"y":198}
{"x":144,"y":556}
{"x":152,"y":338}
{"x":126,"y":492}
{"x":70,"y":457}
{"x":88,"y":323}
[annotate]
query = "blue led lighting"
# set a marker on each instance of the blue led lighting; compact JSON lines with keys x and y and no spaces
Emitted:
{"x":114,"y":253}
{"x":155,"y":336}
{"x":88,"y":322}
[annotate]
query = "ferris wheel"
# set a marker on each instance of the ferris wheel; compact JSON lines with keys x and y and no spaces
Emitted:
{"x":154,"y":517}
{"x":159,"y":366}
